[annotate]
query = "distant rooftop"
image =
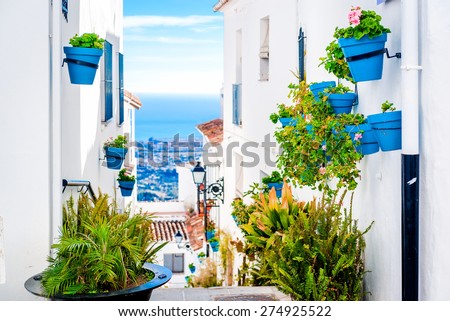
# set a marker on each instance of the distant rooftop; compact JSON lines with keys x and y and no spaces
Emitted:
{"x":164,"y":230}
{"x":134,"y":100}
{"x":212,"y":130}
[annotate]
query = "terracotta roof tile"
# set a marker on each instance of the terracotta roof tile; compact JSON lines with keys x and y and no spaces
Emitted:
{"x":213,"y":130}
{"x":134,"y":100}
{"x":164,"y":230}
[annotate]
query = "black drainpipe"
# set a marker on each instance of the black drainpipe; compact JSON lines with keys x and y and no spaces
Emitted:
{"x":410,"y":227}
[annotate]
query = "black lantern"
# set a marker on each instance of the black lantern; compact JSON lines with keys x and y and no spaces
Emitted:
{"x":198,"y":174}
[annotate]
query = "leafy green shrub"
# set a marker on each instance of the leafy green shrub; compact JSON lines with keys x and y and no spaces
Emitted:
{"x":119,"y":142}
{"x":99,"y":249}
{"x":87,"y":40}
{"x":310,"y":251}
{"x":275,"y":177}
{"x":123,"y":176}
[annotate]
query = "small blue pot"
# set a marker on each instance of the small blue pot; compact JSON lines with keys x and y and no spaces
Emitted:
{"x":278,"y":187}
{"x":368,"y":143}
{"x":126,"y":187}
{"x":82,"y":64}
{"x":320,"y":87}
{"x":214,"y":246}
{"x":115,"y":157}
{"x":342,"y":103}
{"x":388,"y":129}
{"x":288,"y":121}
{"x":210,"y":234}
{"x":192,"y":269}
{"x":370,"y":66}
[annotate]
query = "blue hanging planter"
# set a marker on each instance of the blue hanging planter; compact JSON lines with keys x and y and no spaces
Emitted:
{"x":82,"y":64}
{"x":210,"y":234}
{"x":368,"y":142}
{"x":342,"y":103}
{"x":388,"y":129}
{"x":126,"y":187}
{"x":214,"y":246}
{"x":278,"y":187}
{"x":115,"y":157}
{"x":192,"y":269}
{"x":320,"y":87}
{"x":288,"y":121}
{"x":364,"y":56}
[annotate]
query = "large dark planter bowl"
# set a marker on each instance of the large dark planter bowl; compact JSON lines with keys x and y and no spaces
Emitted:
{"x":139,"y":293}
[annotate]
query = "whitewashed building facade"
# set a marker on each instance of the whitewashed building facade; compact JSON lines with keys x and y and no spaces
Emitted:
{"x":54,"y":130}
{"x":261,"y":50}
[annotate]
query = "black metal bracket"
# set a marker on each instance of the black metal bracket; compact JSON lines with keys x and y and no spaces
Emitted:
{"x":216,"y":190}
{"x":396,"y":55}
{"x":79,"y":62}
{"x":85,"y":186}
{"x":373,"y":54}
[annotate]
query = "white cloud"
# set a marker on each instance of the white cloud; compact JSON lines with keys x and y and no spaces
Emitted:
{"x":169,"y":40}
{"x":168,"y":21}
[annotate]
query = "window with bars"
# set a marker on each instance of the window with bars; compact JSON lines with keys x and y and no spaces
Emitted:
{"x":237,"y":104}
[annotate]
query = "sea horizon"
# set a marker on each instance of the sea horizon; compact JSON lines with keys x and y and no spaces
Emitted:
{"x":162,"y":116}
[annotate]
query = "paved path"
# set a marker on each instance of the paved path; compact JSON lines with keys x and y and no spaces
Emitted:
{"x":242,"y":293}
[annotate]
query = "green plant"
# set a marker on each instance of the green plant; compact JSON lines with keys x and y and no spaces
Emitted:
{"x":274,"y":177}
{"x":87,"y":40}
{"x":191,"y":265}
{"x":334,"y":62}
{"x":210,"y":225}
{"x":99,"y":249}
{"x":213,"y":239}
{"x":283,"y":112}
{"x":201,"y":255}
{"x":362,"y":23}
{"x":119,"y":142}
{"x":318,"y":149}
{"x":387,"y":106}
{"x":339,"y":89}
{"x":123,"y":176}
{"x":308,"y":250}
{"x":206,"y":277}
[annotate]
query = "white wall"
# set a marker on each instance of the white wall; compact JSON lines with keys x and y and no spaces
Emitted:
{"x":53,"y":128}
{"x":25,"y":206}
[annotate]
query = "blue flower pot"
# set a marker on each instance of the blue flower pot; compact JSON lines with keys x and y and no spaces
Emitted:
{"x":214,"y":246}
{"x":82,"y":64}
{"x":388,"y":129}
{"x":278,"y":187}
{"x":364,"y":56}
{"x":126,"y":187}
{"x":115,"y":157}
{"x":368,"y":142}
{"x":320,"y":87}
{"x":342,"y":103}
{"x":210,"y":234}
{"x":288,"y":121}
{"x":192,"y":269}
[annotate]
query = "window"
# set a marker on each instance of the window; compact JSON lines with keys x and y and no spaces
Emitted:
{"x":121,"y":93}
{"x":237,"y":104}
{"x":174,"y":262}
{"x":264,"y":49}
{"x":108,"y":60}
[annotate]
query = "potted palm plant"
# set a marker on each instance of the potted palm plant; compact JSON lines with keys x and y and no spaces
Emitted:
{"x":115,"y":151}
{"x":126,"y":182}
{"x":101,"y":254}
{"x":83,"y":57}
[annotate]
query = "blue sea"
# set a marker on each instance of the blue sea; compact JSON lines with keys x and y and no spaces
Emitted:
{"x":165,"y":115}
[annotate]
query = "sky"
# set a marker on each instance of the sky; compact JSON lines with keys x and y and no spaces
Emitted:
{"x":173,"y":46}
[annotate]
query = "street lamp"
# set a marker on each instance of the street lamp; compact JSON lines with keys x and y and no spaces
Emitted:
{"x":179,"y":238}
{"x":199,"y":176}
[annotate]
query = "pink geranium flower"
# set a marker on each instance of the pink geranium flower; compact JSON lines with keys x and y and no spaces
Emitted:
{"x":354,"y":16}
{"x":322,"y":170}
{"x":358,"y":136}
